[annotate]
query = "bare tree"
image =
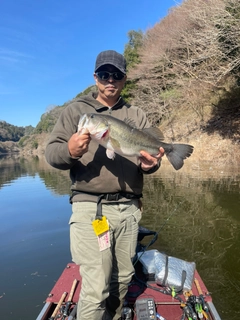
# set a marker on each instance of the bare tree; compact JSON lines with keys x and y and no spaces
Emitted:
{"x":188,"y":57}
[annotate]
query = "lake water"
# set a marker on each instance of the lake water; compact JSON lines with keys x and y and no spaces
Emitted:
{"x":197,"y":213}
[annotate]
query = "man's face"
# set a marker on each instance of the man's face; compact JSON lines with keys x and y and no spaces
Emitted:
{"x":110,"y":88}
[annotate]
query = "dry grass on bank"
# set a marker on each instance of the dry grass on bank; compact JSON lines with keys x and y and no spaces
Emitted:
{"x":212,"y":158}
{"x":210,"y":150}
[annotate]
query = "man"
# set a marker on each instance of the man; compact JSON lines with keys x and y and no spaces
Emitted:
{"x":105,"y":259}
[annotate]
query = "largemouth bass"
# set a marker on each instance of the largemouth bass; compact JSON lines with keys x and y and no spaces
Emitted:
{"x":122,"y":138}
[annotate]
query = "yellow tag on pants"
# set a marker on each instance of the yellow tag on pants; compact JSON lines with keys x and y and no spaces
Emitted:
{"x":100,"y":226}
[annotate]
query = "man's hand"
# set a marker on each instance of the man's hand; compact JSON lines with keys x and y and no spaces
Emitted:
{"x":147,"y":161}
{"x":78,"y":143}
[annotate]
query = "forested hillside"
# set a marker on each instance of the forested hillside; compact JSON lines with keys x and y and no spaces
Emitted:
{"x":185,"y":73}
{"x":189,"y":69}
{"x":9,"y":132}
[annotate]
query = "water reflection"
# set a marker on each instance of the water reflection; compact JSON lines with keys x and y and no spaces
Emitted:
{"x":197,"y":217}
{"x":204,"y":229}
{"x":16,"y":167}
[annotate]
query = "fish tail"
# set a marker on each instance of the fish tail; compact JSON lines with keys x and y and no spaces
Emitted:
{"x":177,"y":153}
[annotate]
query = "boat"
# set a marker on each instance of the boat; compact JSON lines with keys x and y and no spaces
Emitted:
{"x":146,"y":298}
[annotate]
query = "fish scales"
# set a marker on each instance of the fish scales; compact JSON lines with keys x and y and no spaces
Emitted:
{"x":130,"y":140}
{"x":120,"y":137}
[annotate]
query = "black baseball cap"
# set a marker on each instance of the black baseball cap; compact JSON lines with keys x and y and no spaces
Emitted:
{"x":111,"y":57}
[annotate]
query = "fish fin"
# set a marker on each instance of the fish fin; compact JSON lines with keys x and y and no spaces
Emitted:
{"x":154,"y":132}
{"x":178,"y":153}
{"x":110,"y":154}
{"x":114,"y":143}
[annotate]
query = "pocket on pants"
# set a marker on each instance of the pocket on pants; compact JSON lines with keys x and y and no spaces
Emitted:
{"x":136,"y":217}
{"x":83,"y":241}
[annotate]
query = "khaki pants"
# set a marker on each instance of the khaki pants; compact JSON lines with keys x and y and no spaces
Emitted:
{"x":105,"y":274}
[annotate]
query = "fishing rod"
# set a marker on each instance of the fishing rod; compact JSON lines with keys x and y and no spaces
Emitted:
{"x":73,"y":313}
{"x":155,"y":235}
{"x":69,"y":301}
{"x":58,"y":306}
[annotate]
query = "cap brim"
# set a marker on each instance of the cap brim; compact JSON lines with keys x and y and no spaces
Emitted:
{"x":112,"y":64}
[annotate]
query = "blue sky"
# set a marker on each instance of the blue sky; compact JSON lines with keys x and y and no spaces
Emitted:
{"x":48,"y":48}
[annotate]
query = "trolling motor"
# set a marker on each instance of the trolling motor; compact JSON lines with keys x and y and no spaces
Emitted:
{"x":142,"y":233}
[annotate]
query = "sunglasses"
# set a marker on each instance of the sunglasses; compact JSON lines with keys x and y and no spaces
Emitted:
{"x":105,"y":75}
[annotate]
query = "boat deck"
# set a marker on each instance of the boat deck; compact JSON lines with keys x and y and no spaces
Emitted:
{"x":166,"y":306}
